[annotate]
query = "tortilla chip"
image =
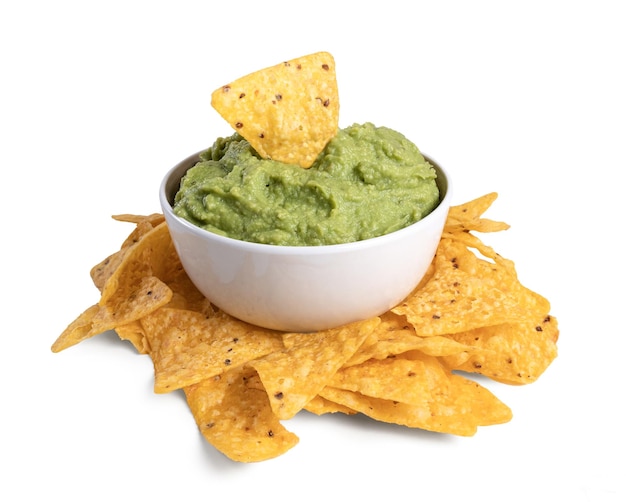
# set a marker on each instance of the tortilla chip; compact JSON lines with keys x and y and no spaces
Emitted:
{"x":133,"y":332}
{"x":131,"y":302}
{"x":153,"y":219}
{"x":511,"y":353}
{"x":287,"y":112}
{"x":417,"y":391}
{"x":320,"y":406}
{"x":187,"y":347}
{"x":469,"y":212}
{"x":391,"y":343}
{"x":456,"y":299}
{"x":296,"y":374}
{"x":123,"y":308}
{"x":186,"y":296}
{"x":77,"y":331}
{"x":499,"y":274}
{"x":153,"y":255}
{"x":103,"y":270}
{"x":233,"y":414}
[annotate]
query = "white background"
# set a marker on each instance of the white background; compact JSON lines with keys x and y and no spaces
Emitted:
{"x":99,"y":99}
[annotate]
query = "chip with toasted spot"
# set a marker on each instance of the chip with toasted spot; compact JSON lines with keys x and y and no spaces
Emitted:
{"x":511,"y":353}
{"x":188,"y":347}
{"x":125,"y":306}
{"x":287,"y":112}
{"x":152,"y":255}
{"x":103,"y":270}
{"x":417,"y":391}
{"x":456,"y":300}
{"x":295,"y":375}
{"x":233,"y":414}
{"x":131,"y":302}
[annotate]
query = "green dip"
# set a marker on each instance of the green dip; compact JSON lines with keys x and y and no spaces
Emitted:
{"x":368,"y":181}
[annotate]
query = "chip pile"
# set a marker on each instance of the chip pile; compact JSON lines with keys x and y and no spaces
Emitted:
{"x":470,"y":314}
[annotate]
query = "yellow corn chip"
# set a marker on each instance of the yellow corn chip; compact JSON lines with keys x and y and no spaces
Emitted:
{"x":77,"y":331}
{"x":233,"y":414}
{"x":501,"y":275}
{"x":103,"y":270}
{"x":416,"y":392}
{"x":469,"y":212}
{"x":153,"y":220}
{"x":131,"y":302}
{"x":287,"y":112}
{"x":295,"y":375}
{"x":153,"y":255}
{"x":133,"y":332}
{"x":125,"y":306}
{"x":391,"y":343}
{"x":479,"y":225}
{"x":187,"y":347}
{"x":511,"y":353}
{"x":455,"y":300}
{"x":186,"y":296}
{"x":320,"y":406}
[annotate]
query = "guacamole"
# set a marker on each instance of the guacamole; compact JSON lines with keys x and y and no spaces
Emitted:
{"x":368,"y":181}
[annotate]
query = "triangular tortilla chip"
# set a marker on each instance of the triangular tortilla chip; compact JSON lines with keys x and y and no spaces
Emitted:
{"x":125,"y":306}
{"x":294,"y":376}
{"x":416,"y":391}
{"x":465,"y":293}
{"x":234,"y":415}
{"x":287,"y":112}
{"x":513,"y":353}
{"x":187,"y":347}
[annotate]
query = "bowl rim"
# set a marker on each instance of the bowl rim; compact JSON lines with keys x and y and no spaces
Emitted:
{"x":171,"y":181}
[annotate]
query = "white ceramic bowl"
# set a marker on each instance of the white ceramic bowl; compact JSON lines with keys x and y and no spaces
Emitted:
{"x":304,"y":288}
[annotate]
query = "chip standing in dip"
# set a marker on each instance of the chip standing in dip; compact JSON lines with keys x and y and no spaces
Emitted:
{"x":368,"y":181}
